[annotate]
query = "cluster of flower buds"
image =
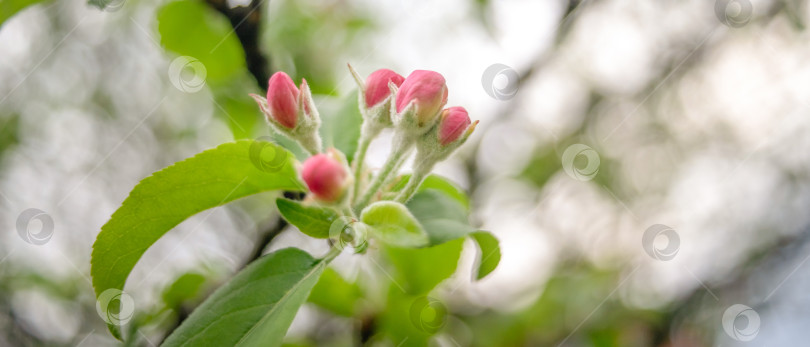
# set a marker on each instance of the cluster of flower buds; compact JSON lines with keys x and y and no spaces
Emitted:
{"x":412,"y":106}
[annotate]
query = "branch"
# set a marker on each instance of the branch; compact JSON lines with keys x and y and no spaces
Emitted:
{"x":246,"y":23}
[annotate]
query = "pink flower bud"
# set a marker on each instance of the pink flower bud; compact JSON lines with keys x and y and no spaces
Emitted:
{"x":377,"y":85}
{"x":427,"y":89}
{"x":282,"y":99}
{"x":452,"y":123}
{"x":325,"y":176}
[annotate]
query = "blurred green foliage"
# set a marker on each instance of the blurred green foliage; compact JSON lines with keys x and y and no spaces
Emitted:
{"x":9,"y":8}
{"x":191,"y":28}
{"x":579,"y":306}
{"x":341,"y":124}
{"x":336,"y":294}
{"x":306,"y":39}
{"x":187,"y":287}
{"x":9,"y":135}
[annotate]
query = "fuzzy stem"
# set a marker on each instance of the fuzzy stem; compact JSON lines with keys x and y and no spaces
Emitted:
{"x":410,"y":188}
{"x":393,"y":161}
{"x":368,"y":134}
{"x":420,"y":172}
{"x":346,"y":210}
{"x":359,"y":160}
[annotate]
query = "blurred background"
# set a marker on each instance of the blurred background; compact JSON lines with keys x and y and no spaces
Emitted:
{"x":645,"y":165}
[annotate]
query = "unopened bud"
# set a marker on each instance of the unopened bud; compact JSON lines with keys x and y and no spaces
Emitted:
{"x":452,"y":131}
{"x":427,"y":91}
{"x":326,"y":176}
{"x":282,"y":100}
{"x":452,"y":123}
{"x":377,"y":89}
{"x":291,"y":111}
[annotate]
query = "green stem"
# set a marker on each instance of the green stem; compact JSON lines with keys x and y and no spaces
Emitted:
{"x":410,"y":189}
{"x":333,"y":253}
{"x":359,"y":165}
{"x":421,"y":170}
{"x":346,"y":210}
{"x":393,"y":160}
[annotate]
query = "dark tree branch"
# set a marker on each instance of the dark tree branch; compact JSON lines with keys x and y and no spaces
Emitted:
{"x":246,"y":23}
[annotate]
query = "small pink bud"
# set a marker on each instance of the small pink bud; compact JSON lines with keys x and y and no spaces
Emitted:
{"x":282,"y":99}
{"x":377,"y":85}
{"x":453,"y":122}
{"x":427,"y":89}
{"x":325,"y":176}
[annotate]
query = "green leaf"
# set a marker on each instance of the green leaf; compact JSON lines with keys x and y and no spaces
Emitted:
{"x":334,"y":293}
{"x":445,"y":220}
{"x":191,"y":28}
{"x":489,"y":253}
{"x":442,"y":217}
{"x":256,"y":307}
{"x":433,"y":204}
{"x":438,"y":183}
{"x":393,"y":224}
{"x":9,"y":8}
{"x":445,"y":230}
{"x":163,"y":200}
{"x":419,"y":270}
{"x":311,"y":220}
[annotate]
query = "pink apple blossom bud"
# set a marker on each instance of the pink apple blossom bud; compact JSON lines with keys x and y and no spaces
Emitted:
{"x":325,"y":176}
{"x":377,"y":85}
{"x":452,"y":123}
{"x":282,"y":99}
{"x":427,"y":89}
